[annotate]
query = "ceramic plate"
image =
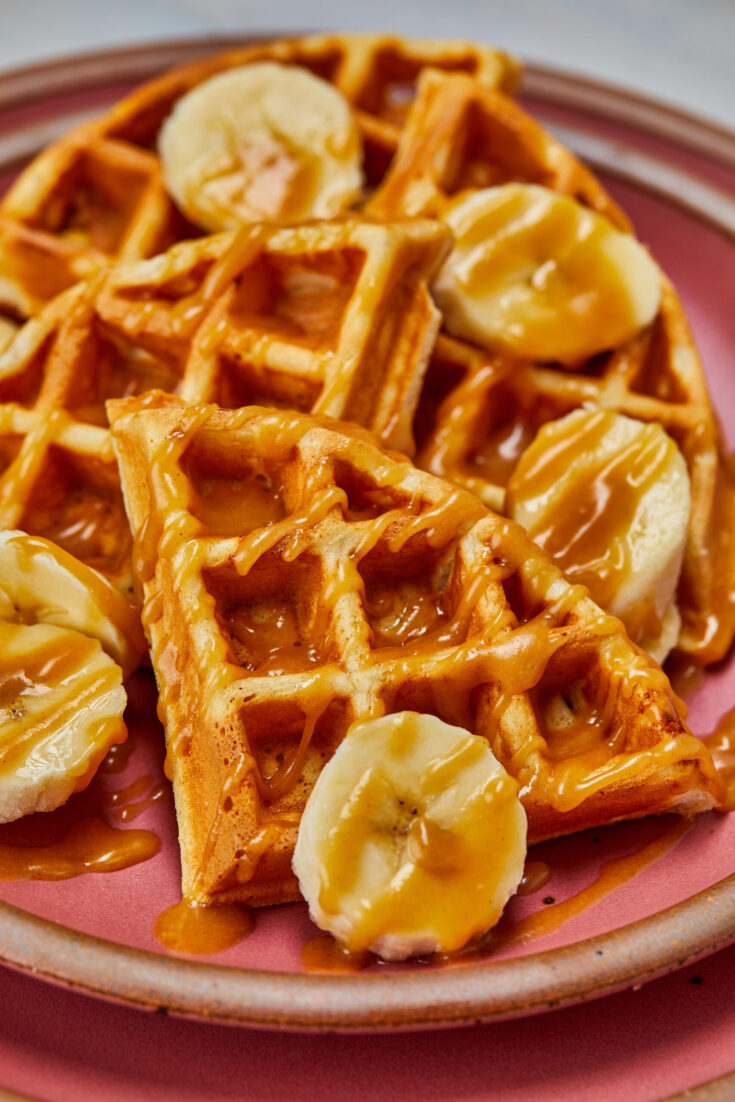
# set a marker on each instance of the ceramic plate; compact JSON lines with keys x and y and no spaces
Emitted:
{"x":636,"y":900}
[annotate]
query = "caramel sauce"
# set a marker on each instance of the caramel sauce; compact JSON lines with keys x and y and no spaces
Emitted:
{"x":324,"y":954}
{"x":44,"y":668}
{"x":189,"y":927}
{"x":612,"y":875}
{"x":403,"y":613}
{"x":686,"y":677}
{"x":585,"y":527}
{"x":125,"y":802}
{"x":89,"y":845}
{"x":110,"y":600}
{"x":118,"y":757}
{"x":78,"y":838}
{"x":721,"y":745}
{"x":536,"y":875}
{"x":228,"y":506}
{"x":90,"y":527}
{"x":271,"y":638}
{"x":51,"y":683}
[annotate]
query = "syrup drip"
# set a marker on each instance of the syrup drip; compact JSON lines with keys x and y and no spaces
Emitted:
{"x":324,"y":954}
{"x":89,"y":845}
{"x":721,"y":745}
{"x":612,"y":875}
{"x":536,"y":875}
{"x":118,"y":757}
{"x":189,"y":927}
{"x":125,"y":803}
{"x":686,"y":677}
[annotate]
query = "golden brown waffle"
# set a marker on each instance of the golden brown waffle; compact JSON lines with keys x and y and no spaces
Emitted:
{"x":297,"y":577}
{"x":460,"y":136}
{"x":58,"y":478}
{"x":96,"y":194}
{"x":333,"y":317}
{"x":479,"y":411}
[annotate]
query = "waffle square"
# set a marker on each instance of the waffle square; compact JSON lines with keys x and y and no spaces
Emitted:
{"x":460,"y":135}
{"x":59,"y":479}
{"x":297,"y":577}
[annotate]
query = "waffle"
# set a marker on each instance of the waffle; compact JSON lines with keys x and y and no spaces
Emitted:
{"x":460,"y":136}
{"x":96,"y":194}
{"x":58,"y":478}
{"x":297,"y":577}
{"x":333,"y":317}
{"x":479,"y":411}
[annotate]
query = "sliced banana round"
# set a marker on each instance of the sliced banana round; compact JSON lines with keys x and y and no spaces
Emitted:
{"x":608,"y":497}
{"x":41,"y":583}
{"x":8,"y":329}
{"x":265,"y":142}
{"x":535,"y":274}
{"x":412,"y":839}
{"x":61,"y":708}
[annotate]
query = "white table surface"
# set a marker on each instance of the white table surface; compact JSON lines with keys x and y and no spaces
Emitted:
{"x":681,"y":51}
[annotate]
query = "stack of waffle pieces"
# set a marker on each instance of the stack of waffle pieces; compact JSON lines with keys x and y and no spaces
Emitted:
{"x":295,"y":573}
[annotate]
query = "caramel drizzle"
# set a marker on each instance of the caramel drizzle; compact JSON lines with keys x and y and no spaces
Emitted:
{"x":721,"y":745}
{"x":89,"y":845}
{"x":612,"y":875}
{"x":191,"y":928}
{"x":585,"y":528}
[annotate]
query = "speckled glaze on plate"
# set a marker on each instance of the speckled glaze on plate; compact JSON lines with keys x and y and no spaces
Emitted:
{"x":675,"y":175}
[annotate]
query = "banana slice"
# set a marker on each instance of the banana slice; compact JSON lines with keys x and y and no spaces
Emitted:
{"x":41,"y":583}
{"x":412,"y":840}
{"x":263,"y":142}
{"x":7,"y":333}
{"x":61,"y":706}
{"x":535,"y":274}
{"x":609,"y":498}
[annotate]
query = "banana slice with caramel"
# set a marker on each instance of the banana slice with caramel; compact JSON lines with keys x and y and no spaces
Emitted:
{"x":536,"y":275}
{"x":61,"y":708}
{"x":67,"y":638}
{"x":608,"y":497}
{"x":265,"y":142}
{"x":412,"y":839}
{"x":42,"y":583}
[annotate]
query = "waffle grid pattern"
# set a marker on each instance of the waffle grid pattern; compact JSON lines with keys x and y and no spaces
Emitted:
{"x":96,"y":195}
{"x":370,"y":588}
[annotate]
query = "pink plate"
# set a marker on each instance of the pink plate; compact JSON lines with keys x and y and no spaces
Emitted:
{"x":674,"y":175}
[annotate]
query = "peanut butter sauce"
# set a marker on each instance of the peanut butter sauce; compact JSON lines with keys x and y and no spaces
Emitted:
{"x":536,"y":875}
{"x":191,"y":928}
{"x":592,"y":500}
{"x":611,"y":876}
{"x":721,"y":745}
{"x":229,"y":506}
{"x":89,"y":845}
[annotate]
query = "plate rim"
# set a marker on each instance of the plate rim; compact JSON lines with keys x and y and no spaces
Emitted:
{"x":627,"y":956}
